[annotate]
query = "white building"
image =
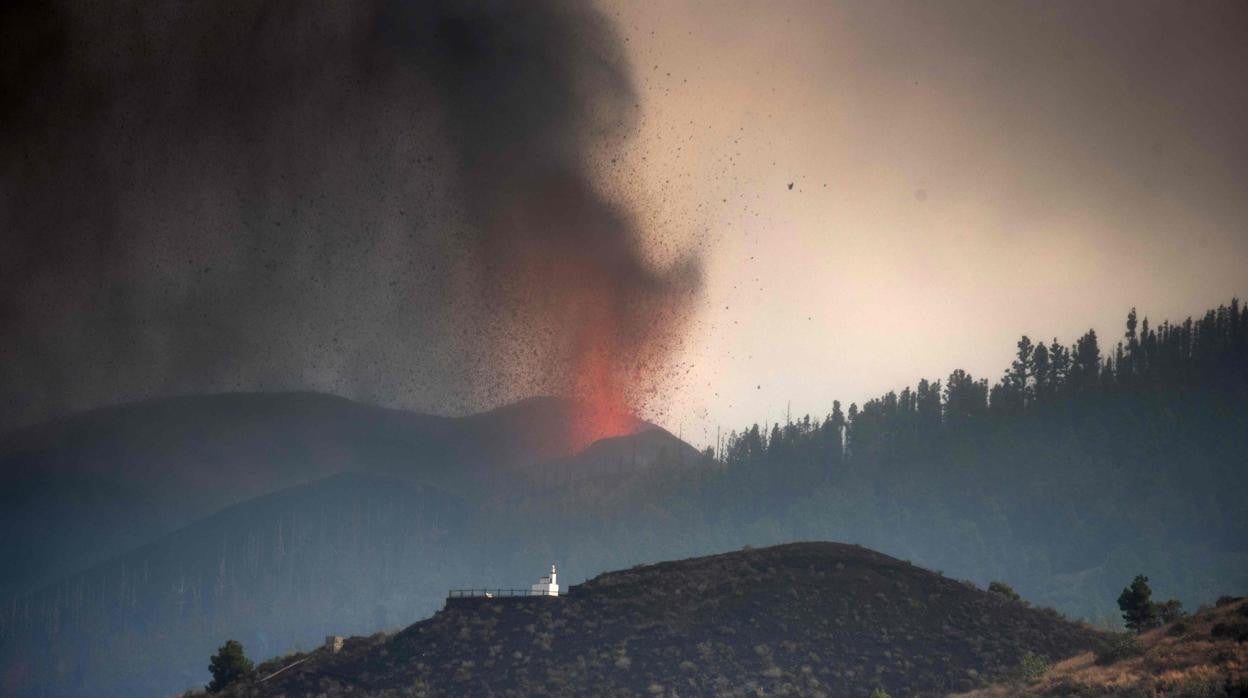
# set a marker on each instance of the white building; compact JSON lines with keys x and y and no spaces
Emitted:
{"x":546,"y":586}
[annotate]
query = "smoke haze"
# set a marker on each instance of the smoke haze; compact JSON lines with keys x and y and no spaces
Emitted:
{"x":390,"y":201}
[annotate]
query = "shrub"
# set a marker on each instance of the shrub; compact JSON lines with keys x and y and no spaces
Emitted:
{"x":1178,"y":629}
{"x":1231,"y":631}
{"x":228,"y":665}
{"x":1120,"y":646}
{"x":880,"y":693}
{"x":1168,"y":611}
{"x":1226,"y":600}
{"x":1031,"y":667}
{"x":1199,"y":687}
{"x":1005,"y":590}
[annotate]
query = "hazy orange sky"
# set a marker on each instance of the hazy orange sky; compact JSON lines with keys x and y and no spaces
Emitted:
{"x":963,"y":173}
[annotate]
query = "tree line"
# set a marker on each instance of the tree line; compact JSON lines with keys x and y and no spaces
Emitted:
{"x":1212,"y":349}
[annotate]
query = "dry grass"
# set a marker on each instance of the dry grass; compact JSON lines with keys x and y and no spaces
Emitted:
{"x":1195,"y":663}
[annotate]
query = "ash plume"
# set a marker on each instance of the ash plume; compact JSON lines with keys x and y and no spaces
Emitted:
{"x":392,"y":201}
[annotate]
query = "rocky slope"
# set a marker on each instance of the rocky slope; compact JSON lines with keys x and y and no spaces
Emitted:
{"x":799,"y":619}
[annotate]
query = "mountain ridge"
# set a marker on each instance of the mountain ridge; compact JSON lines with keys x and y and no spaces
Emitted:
{"x":80,"y":489}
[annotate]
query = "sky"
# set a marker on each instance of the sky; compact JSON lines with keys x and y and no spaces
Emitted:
{"x":963,"y":173}
{"x":787,"y":203}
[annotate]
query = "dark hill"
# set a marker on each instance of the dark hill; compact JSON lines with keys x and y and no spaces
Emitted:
{"x":799,"y":619}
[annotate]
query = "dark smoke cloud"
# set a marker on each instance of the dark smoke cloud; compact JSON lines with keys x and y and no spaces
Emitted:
{"x":392,"y":201}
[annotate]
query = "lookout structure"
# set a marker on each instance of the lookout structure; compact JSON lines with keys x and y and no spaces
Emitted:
{"x":547,"y":586}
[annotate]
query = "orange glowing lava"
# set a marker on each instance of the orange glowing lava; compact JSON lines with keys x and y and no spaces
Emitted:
{"x":602,"y":323}
{"x":605,"y":409}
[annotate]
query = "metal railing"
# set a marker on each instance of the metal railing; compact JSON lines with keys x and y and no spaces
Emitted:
{"x":492,"y":593}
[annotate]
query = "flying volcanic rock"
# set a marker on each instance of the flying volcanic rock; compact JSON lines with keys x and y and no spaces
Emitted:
{"x":387,"y":200}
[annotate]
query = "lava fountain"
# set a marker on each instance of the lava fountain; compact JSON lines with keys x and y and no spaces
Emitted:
{"x":574,"y":267}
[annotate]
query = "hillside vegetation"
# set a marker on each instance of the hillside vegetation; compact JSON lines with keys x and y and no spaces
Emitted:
{"x":1084,"y":465}
{"x":800,"y":619}
{"x":1201,"y":656}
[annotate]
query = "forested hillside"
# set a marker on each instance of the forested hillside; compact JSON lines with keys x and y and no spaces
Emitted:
{"x":1080,"y":466}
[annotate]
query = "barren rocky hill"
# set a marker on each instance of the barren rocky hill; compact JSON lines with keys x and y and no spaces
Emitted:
{"x":800,"y":619}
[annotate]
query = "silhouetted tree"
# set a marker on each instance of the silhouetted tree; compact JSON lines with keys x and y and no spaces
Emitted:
{"x":228,"y":665}
{"x":1086,"y":363}
{"x":1042,"y":374}
{"x":1059,"y":367}
{"x":1136,"y":603}
{"x":928,"y":406}
{"x":1022,"y":368}
{"x":836,"y":434}
{"x":964,"y":397}
{"x":851,"y":421}
{"x":1127,"y":359}
{"x":1168,"y":611}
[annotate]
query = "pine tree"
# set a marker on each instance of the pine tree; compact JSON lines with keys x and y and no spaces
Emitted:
{"x":1042,"y":371}
{"x":836,"y":423}
{"x":1021,"y":368}
{"x":1129,"y":360}
{"x":1085,"y":363}
{"x":964,"y":397}
{"x":1136,"y":603}
{"x":928,"y":405}
{"x":1059,"y":366}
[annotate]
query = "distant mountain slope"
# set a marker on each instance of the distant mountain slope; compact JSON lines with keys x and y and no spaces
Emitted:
{"x":80,"y":490}
{"x":363,"y":550}
{"x":379,"y":513}
{"x":612,"y":459}
{"x":798,"y":619}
